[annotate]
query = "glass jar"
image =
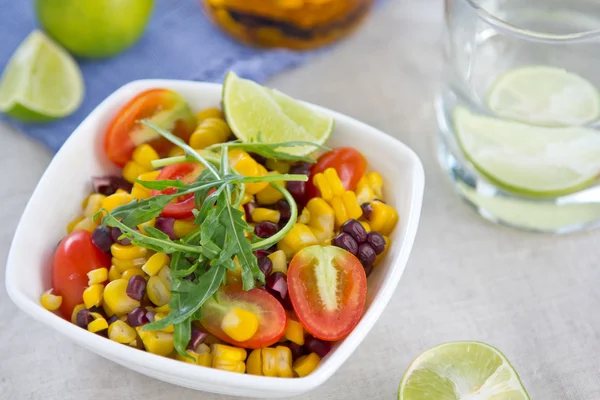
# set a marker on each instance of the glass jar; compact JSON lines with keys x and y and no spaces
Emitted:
{"x":295,"y":24}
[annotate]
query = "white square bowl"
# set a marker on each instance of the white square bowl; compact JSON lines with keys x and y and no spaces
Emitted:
{"x":67,"y":181}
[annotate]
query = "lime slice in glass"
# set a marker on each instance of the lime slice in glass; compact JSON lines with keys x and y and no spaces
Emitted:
{"x":533,"y":160}
{"x":41,"y":81}
{"x":461,"y":371}
{"x":545,"y":96}
{"x":256,"y":113}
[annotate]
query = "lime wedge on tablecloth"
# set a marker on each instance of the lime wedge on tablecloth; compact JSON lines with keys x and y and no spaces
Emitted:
{"x":534,"y":160}
{"x":258,"y":113}
{"x":545,"y":96}
{"x":41,"y":81}
{"x":461,"y":371}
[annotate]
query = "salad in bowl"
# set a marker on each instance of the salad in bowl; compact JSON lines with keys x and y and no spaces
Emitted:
{"x":231,"y":238}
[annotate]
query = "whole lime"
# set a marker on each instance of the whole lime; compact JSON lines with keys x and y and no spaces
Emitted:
{"x":94,"y":28}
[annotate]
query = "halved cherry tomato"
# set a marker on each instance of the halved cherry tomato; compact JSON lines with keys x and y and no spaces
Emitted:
{"x":271,"y":315}
{"x":328,"y":289}
{"x":187,"y":172}
{"x":75,"y":256}
{"x":349,"y":163}
{"x":165,"y":108}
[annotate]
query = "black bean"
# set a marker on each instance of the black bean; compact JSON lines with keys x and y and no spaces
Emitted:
{"x":367,"y":210}
{"x":366,"y":254}
{"x":266,"y":265}
{"x":136,"y":287}
{"x":346,"y":241}
{"x":102,"y":238}
{"x":355,"y":228}
{"x":376,"y":241}
{"x":265,"y":229}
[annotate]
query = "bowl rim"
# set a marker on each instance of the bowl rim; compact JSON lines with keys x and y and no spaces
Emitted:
{"x":146,"y":361}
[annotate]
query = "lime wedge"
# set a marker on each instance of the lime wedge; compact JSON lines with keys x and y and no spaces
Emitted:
{"x":461,"y":371}
{"x":256,"y":113}
{"x":533,"y":160}
{"x":41,"y":81}
{"x":544,"y":96}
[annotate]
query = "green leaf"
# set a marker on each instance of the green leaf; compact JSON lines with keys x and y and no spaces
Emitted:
{"x":162,"y":184}
{"x":181,"y":337}
{"x":144,"y":212}
{"x":207,"y":285}
{"x":155,"y":233}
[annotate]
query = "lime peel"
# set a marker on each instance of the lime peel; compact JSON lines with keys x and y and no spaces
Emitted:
{"x":258,"y":113}
{"x":461,"y":371}
{"x":41,"y":81}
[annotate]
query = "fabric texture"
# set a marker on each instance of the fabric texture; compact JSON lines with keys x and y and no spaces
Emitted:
{"x":179,"y":43}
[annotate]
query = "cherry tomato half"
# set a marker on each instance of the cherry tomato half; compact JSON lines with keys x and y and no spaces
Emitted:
{"x":165,"y":108}
{"x":187,"y":172}
{"x":271,"y":315}
{"x":75,"y":256}
{"x":328,"y":289}
{"x":349,"y":163}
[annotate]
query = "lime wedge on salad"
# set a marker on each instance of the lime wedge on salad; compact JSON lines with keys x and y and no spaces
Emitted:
{"x":461,"y":371}
{"x":545,"y":96}
{"x":257,"y":113}
{"x":41,"y":81}
{"x":533,"y":160}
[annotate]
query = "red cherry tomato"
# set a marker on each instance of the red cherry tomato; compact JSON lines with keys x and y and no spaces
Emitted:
{"x":75,"y":256}
{"x":165,"y":108}
{"x":349,"y":163}
{"x":187,"y":172}
{"x":271,"y":315}
{"x":328,"y":288}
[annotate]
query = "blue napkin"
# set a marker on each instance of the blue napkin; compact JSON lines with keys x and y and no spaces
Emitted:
{"x":179,"y":43}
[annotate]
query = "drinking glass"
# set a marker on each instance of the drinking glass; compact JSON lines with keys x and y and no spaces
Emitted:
{"x":295,"y":24}
{"x":519,"y":111}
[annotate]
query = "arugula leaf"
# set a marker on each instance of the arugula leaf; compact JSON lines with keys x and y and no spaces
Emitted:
{"x":162,"y":184}
{"x":190,"y":302}
{"x":271,"y":150}
{"x":182,"y":336}
{"x":155,"y":233}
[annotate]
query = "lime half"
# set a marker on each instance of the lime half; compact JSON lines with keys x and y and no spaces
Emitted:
{"x":530,"y":159}
{"x":41,"y":81}
{"x":461,"y":371}
{"x":256,"y":113}
{"x":545,"y":96}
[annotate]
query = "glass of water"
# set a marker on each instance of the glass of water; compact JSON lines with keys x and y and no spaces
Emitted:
{"x":519,"y":111}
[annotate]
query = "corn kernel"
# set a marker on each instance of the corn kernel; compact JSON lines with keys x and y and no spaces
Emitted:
{"x":320,"y":181}
{"x":209,"y":113}
{"x":165,"y":275}
{"x":269,"y":195}
{"x":133,"y":272}
{"x":322,"y":219}
{"x":239,"y":324}
{"x":254,"y":188}
{"x":73,"y":223}
{"x":117,"y":199}
{"x":202,"y":348}
{"x":175,"y":151}
{"x":376,"y":183}
{"x":277,"y":362}
{"x":299,"y":237}
{"x":383,"y":218}
{"x":98,"y":324}
{"x":124,"y":265}
{"x":157,"y":342}
{"x":260,"y":214}
{"x":294,"y":332}
{"x":158,"y":293}
{"x":76,"y":310}
{"x":92,"y":295}
{"x":120,"y":332}
{"x":279,"y":260}
{"x":192,"y":359}
{"x":341,"y":215}
{"x":50,"y":302}
{"x":204,"y":359}
{"x":183,"y":227}
{"x":155,"y":263}
{"x":140,"y":192}
{"x":304,"y":217}
{"x":109,"y":312}
{"x":98,"y":275}
{"x":306,"y":364}
{"x":144,"y":154}
{"x":366,"y":225}
{"x":86,"y":224}
{"x":247,"y":198}
{"x":228,"y":358}
{"x":129,"y":252}
{"x":210,"y":131}
{"x":132,"y":170}
{"x":254,"y":363}
{"x":170,"y":328}
{"x":115,"y":297}
{"x":93,"y":204}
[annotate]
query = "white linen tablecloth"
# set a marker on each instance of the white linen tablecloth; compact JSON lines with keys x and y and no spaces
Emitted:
{"x":534,"y":297}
